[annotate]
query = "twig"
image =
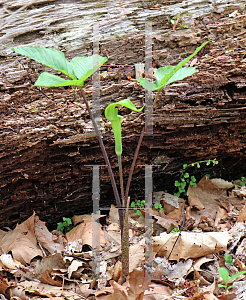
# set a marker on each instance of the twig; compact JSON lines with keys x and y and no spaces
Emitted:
{"x":184,"y":218}
{"x":214,"y":36}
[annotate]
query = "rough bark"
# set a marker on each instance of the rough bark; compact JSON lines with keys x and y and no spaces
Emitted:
{"x":47,"y":141}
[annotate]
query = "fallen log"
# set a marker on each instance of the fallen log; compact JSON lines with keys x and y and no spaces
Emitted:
{"x":47,"y":141}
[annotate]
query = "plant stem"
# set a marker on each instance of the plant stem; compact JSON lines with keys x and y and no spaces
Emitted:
{"x":125,"y":245}
{"x":136,"y":153}
{"x":121,"y":180}
{"x":125,"y":239}
{"x":116,"y":194}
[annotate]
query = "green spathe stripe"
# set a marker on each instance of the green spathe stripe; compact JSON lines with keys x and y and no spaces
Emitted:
{"x":111,"y":113}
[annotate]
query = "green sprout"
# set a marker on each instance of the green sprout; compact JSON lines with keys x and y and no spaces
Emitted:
{"x":65,"y":226}
{"x":174,"y":230}
{"x":225,"y":277}
{"x":186,"y":179}
{"x":138,"y":206}
{"x":158,"y":206}
{"x":228,"y":259}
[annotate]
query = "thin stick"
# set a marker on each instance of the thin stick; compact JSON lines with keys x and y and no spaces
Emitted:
{"x":116,"y":194}
{"x":214,"y":36}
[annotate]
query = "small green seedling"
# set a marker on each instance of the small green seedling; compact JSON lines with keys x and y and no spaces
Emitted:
{"x":186,"y":179}
{"x":228,"y":259}
{"x":138,"y":206}
{"x":65,"y":226}
{"x":243,"y":181}
{"x":158,"y":206}
{"x":174,"y":230}
{"x":225,"y":277}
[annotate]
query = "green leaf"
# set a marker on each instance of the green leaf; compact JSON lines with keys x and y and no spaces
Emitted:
{"x":111,"y":113}
{"x":192,"y":183}
{"x":138,"y":213}
{"x":208,"y":162}
{"x":52,"y":58}
{"x":186,"y":175}
{"x":60,"y":226}
{"x":176,"y":183}
{"x":224,"y":275}
{"x":133,"y":204}
{"x":183,"y":184}
{"x":185,"y":166}
{"x":142,"y":203}
{"x":193,"y":178}
{"x":47,"y":79}
{"x":84,"y":67}
{"x":236,"y":275}
{"x":177,"y":194}
{"x":156,"y":205}
{"x":198,"y":165}
{"x":67,"y":220}
{"x":148,"y":84}
{"x":207,"y":175}
{"x":222,"y":285}
{"x":229,"y":287}
{"x":174,"y":230}
{"x":181,"y":74}
{"x":228,"y":259}
{"x":169,"y":74}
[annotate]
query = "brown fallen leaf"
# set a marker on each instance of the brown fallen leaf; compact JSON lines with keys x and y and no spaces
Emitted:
{"x":136,"y":255}
{"x":84,"y":232}
{"x":138,"y":284}
{"x":205,"y":194}
{"x":85,"y":218}
{"x":47,"y":266}
{"x":198,"y":276}
{"x":16,"y":291}
{"x":242,"y":215}
{"x":157,"y":292}
{"x":45,"y":237}
{"x":189,"y":244}
{"x":167,"y":223}
{"x":22,"y":242}
{"x":210,"y":296}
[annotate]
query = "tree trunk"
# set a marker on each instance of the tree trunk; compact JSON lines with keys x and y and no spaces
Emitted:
{"x":47,"y":143}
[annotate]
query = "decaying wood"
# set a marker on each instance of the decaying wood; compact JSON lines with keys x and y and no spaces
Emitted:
{"x":47,"y":142}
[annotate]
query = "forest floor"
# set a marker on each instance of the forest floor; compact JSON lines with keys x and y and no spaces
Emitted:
{"x":196,"y":246}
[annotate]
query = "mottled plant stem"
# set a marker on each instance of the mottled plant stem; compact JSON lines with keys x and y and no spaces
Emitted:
{"x":116,"y":194}
{"x":121,"y":180}
{"x":125,"y":245}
